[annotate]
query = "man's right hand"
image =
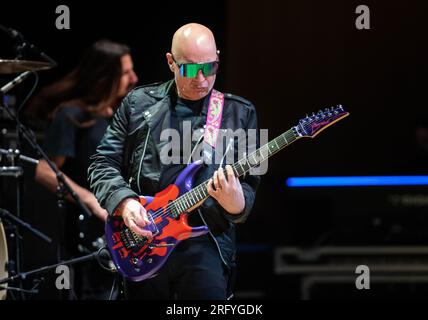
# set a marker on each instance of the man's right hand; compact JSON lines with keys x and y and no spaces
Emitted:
{"x":135,"y":217}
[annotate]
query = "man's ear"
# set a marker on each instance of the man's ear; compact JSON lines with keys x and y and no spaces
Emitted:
{"x":170,"y":61}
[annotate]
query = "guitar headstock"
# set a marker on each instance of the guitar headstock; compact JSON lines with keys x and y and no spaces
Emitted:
{"x":314,"y":124}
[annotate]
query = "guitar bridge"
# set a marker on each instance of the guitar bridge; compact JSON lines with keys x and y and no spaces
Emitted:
{"x":131,"y":240}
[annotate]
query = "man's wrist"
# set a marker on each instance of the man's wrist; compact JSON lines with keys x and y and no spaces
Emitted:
{"x":122,"y":204}
{"x":236,"y":212}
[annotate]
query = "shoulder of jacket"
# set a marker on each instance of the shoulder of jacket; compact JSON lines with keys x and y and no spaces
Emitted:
{"x":230,"y":96}
{"x":141,"y":96}
{"x":246,"y":103}
{"x":145,"y":89}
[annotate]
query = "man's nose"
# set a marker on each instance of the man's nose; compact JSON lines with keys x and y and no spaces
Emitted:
{"x":200,"y":76}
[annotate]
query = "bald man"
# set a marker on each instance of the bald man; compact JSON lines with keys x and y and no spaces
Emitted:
{"x":129,"y":163}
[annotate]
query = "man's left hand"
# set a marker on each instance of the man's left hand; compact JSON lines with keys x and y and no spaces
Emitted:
{"x":228,"y":191}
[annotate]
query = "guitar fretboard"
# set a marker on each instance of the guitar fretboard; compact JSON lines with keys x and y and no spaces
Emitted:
{"x":241,"y":167}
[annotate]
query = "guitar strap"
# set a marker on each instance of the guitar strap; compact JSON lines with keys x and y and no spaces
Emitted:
{"x":212,"y":126}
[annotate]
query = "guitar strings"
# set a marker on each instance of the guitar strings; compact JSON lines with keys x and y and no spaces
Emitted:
{"x":165,"y":211}
{"x":187,"y":196}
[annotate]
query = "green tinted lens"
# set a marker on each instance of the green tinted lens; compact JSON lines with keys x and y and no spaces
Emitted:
{"x":190,"y":70}
{"x":209,"y":69}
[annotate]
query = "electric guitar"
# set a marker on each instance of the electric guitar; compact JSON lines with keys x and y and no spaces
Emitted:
{"x":138,"y":259}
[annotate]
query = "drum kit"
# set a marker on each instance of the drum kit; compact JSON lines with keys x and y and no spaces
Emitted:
{"x":14,"y":170}
{"x":10,"y":272}
{"x":3,"y":259}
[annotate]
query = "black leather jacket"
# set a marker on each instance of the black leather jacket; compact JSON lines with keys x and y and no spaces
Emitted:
{"x":127,"y":161}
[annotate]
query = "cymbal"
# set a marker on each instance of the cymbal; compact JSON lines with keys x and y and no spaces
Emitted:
{"x":15,"y":66}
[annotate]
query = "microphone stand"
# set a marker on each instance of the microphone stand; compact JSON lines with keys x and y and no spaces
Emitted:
{"x":24,"y":275}
{"x":4,"y":214}
{"x":63,"y":187}
{"x":97,"y":255}
{"x":15,"y":153}
{"x":22,"y":45}
{"x":28,"y":134}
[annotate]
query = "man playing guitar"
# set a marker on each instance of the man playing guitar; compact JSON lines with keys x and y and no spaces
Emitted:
{"x":128,"y":163}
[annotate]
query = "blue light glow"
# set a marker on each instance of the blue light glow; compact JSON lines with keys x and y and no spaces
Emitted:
{"x":297,"y":182}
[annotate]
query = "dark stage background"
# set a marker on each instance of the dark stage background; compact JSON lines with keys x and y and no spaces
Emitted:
{"x":289,"y":58}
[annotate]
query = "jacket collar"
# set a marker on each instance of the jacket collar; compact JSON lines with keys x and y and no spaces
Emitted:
{"x":166,"y":94}
{"x":158,"y":116}
{"x":163,"y":90}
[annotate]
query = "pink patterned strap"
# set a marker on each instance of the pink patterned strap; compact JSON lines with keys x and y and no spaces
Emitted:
{"x":215,"y":112}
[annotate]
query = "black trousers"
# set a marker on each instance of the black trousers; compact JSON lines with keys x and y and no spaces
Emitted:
{"x":193,"y":271}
